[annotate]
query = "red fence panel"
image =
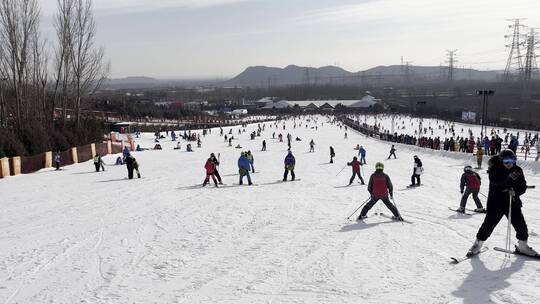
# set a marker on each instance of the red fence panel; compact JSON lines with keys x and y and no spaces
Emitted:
{"x":84,"y":153}
{"x":66,"y":158}
{"x":30,"y":164}
{"x":101,"y":149}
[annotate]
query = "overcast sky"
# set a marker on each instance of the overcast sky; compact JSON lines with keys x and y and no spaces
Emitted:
{"x":220,"y":38}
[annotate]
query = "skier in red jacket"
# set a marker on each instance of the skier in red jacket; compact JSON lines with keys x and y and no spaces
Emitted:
{"x":210,"y":167}
{"x":355,"y":164}
{"x":380,"y":187}
{"x":472,"y":180}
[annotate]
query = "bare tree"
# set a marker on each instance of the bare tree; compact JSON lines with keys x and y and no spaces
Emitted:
{"x":18,"y":24}
{"x":63,"y":24}
{"x":87,"y":60}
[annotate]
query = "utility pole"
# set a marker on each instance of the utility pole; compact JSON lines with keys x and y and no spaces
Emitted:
{"x":451,"y":54}
{"x":408,"y":71}
{"x":485,"y":94}
{"x":530,"y":67}
{"x":514,"y":63}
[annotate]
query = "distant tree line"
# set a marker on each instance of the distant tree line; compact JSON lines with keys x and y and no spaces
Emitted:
{"x":42,"y":81}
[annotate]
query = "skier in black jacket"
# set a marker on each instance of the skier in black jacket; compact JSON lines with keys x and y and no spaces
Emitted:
{"x":506,"y":181}
{"x":130,"y":165}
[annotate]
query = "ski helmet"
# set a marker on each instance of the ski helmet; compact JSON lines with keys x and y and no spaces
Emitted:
{"x":507,"y":156}
{"x":379,"y":166}
{"x":467,"y":168}
{"x":355,"y":158}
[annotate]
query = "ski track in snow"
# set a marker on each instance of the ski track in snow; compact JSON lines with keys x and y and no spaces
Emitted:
{"x":76,"y":236}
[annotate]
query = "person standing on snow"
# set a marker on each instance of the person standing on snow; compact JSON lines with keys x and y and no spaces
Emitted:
{"x":130,"y":165}
{"x":289,"y":162}
{"x":57,"y":160}
{"x":243,"y":168}
{"x":98,"y":163}
{"x":251,"y":160}
{"x":210,"y":167}
{"x":362,"y":154}
{"x":312,"y":146}
{"x":355,"y":164}
{"x":472,"y":181}
{"x":332,"y":155}
{"x":479,"y":157}
{"x":216,"y":163}
{"x":380,"y":187}
{"x":392,"y":152}
{"x":263,"y":145}
{"x":418,"y":169}
{"x":506,"y":185}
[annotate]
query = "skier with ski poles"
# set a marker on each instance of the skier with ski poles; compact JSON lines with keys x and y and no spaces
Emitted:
{"x":355,"y":164}
{"x":472,"y":181}
{"x":362,"y":154}
{"x":506,"y":185}
{"x":380,"y":187}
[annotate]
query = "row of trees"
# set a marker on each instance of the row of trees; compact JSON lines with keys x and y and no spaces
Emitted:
{"x":40,"y":78}
{"x":36,"y":75}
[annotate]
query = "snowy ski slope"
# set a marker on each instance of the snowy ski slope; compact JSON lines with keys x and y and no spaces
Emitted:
{"x":76,"y":236}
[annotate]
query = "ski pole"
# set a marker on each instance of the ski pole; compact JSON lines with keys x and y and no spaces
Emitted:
{"x":349,"y":217}
{"x":483,"y":195}
{"x":509,"y":228}
{"x":341,"y":170}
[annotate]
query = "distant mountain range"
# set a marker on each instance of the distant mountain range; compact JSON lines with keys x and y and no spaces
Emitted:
{"x":262,"y":76}
{"x":258,"y":76}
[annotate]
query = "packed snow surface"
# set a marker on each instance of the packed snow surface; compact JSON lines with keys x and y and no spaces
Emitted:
{"x":77,"y":236}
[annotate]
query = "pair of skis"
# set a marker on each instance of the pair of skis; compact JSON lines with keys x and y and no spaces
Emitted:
{"x":456,"y":260}
{"x":465,"y":213}
{"x":392,"y":218}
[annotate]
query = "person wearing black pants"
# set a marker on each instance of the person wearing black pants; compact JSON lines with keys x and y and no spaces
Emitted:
{"x":130,"y":165}
{"x":380,"y":187}
{"x":417,"y":171}
{"x":507,"y":184}
{"x":355,"y":164}
{"x":392,"y":152}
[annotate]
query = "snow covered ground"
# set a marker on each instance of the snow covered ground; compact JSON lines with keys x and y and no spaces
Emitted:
{"x":76,"y":236}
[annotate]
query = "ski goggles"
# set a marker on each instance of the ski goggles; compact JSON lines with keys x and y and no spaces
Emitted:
{"x":509,"y":161}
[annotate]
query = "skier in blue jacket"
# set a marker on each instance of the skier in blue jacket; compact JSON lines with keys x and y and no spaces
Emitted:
{"x":290,"y":162}
{"x":243,"y":168}
{"x":362,"y":154}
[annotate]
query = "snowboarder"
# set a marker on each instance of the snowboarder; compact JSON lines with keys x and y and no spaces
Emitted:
{"x":251,"y":160}
{"x":290,"y":162}
{"x":243,"y":168}
{"x":362,"y":154}
{"x":392,"y":152}
{"x":506,"y":185}
{"x":355,"y":164}
{"x":472,"y":181}
{"x":332,"y":155}
{"x":210,"y":167}
{"x":312,"y":146}
{"x":418,"y":169}
{"x":380,"y":187}
{"x":57,"y":160}
{"x":216,"y":163}
{"x":98,"y":163}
